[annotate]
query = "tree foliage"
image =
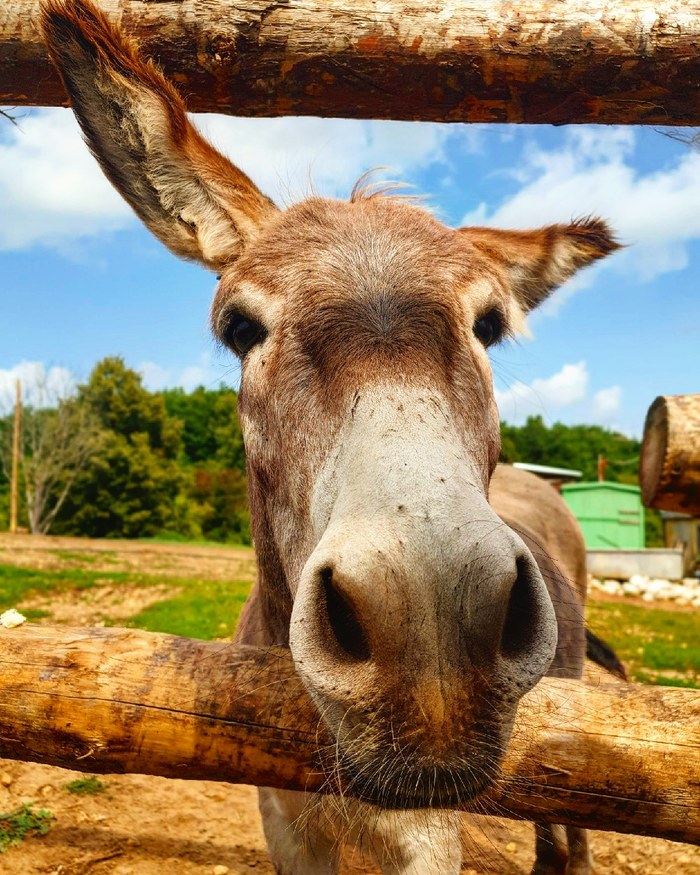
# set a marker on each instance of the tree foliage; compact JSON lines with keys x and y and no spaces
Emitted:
{"x":130,"y":484}
{"x":56,"y":441}
{"x":571,"y":446}
{"x":172,"y":463}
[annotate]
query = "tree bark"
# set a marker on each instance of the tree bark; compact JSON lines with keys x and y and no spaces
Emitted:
{"x":601,"y":61}
{"x":669,"y":471}
{"x":617,"y":757}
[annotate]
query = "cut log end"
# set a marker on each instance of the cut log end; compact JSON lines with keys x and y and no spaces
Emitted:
{"x":669,"y":472}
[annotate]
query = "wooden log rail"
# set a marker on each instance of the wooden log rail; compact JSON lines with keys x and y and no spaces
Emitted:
{"x":618,"y":757}
{"x":669,"y":464}
{"x":600,"y":61}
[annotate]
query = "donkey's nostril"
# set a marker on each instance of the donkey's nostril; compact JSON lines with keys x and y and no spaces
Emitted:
{"x":343,"y":620}
{"x":522,"y":620}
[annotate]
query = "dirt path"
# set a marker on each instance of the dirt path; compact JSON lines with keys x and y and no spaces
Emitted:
{"x":153,"y":826}
{"x":156,"y":559}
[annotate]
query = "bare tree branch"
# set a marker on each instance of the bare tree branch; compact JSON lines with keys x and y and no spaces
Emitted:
{"x":6,"y":114}
{"x":58,"y":444}
{"x":58,"y":437}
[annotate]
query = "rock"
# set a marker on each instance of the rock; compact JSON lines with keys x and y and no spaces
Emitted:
{"x":511,"y":847}
{"x":10,"y":619}
{"x":658,"y":585}
{"x":6,"y":779}
{"x":47,"y":790}
{"x":220,"y":870}
{"x":648,"y":596}
{"x":613,"y":587}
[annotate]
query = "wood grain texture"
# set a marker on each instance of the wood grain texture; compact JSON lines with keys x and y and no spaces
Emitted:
{"x":669,"y":470}
{"x":617,"y":757}
{"x":536,"y":61}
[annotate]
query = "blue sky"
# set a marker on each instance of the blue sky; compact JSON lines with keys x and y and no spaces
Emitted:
{"x":81,"y":279}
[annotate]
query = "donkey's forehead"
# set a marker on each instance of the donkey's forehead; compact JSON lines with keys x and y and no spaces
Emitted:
{"x":354,"y":247}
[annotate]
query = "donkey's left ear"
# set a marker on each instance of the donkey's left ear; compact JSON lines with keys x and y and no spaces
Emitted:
{"x":134,"y":121}
{"x":537,"y":262}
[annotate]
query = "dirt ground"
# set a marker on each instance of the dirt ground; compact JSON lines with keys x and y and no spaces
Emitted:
{"x":154,"y":826}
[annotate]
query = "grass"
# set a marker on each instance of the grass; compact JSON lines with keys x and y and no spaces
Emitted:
{"x":23,"y":821}
{"x":88,"y":786}
{"x":203,"y":609}
{"x":18,"y":583}
{"x":657,"y":646}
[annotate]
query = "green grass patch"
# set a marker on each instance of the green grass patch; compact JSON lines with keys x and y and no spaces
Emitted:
{"x":34,"y":614}
{"x":657,"y":646}
{"x":23,"y":821}
{"x":203,"y":609}
{"x":16,"y":584}
{"x":87,"y":786}
{"x":76,"y":556}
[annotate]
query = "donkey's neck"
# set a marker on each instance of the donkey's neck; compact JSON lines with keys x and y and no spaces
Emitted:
{"x":266,"y":615}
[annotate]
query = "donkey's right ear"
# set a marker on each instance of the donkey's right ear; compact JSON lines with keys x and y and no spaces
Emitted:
{"x":134,"y":121}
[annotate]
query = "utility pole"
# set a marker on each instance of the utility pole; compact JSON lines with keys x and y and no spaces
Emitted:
{"x":14,"y":486}
{"x":602,"y":465}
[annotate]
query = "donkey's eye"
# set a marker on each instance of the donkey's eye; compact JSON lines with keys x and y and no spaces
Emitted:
{"x":489,"y":327}
{"x":242,"y":333}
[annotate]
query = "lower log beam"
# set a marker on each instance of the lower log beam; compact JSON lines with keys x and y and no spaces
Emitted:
{"x":624,"y":758}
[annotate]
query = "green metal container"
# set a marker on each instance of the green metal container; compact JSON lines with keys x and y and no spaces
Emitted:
{"x":610,"y":514}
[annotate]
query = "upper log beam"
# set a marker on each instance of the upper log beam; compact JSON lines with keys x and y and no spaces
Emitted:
{"x":619,"y":757}
{"x":537,"y":61}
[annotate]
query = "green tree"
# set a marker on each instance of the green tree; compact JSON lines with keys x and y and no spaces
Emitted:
{"x":210,"y":425}
{"x":130,"y":486}
{"x":221,"y":495}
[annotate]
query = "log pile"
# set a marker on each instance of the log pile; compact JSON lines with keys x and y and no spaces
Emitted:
{"x":594,"y":61}
{"x":669,"y":470}
{"x":619,"y":757}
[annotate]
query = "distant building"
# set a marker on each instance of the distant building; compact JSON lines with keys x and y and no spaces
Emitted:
{"x":611,"y":515}
{"x":683,"y":532}
{"x":556,"y":476}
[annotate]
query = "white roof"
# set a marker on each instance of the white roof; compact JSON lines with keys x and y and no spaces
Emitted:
{"x":547,"y":471}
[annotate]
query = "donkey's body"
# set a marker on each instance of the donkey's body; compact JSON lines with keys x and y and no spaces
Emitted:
{"x":417,"y":617}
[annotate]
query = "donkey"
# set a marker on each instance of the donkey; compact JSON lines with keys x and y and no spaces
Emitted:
{"x":416,"y":612}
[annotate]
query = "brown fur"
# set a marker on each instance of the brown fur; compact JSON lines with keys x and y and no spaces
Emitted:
{"x":362,"y":305}
{"x":135,"y":123}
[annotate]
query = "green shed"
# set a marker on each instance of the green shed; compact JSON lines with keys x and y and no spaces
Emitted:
{"x":610,"y":514}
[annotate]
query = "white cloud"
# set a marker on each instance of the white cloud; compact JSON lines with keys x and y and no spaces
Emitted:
{"x":154,"y":376}
{"x":51,"y":189}
{"x":287,"y":156}
{"x":43,"y":385}
{"x":593,"y":173}
{"x":606,"y":403}
{"x":206,"y":373}
{"x":543,"y":396}
{"x":53,"y":192}
{"x":40,"y":385}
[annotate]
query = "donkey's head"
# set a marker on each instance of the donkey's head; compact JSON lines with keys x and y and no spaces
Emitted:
{"x":415,"y":617}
